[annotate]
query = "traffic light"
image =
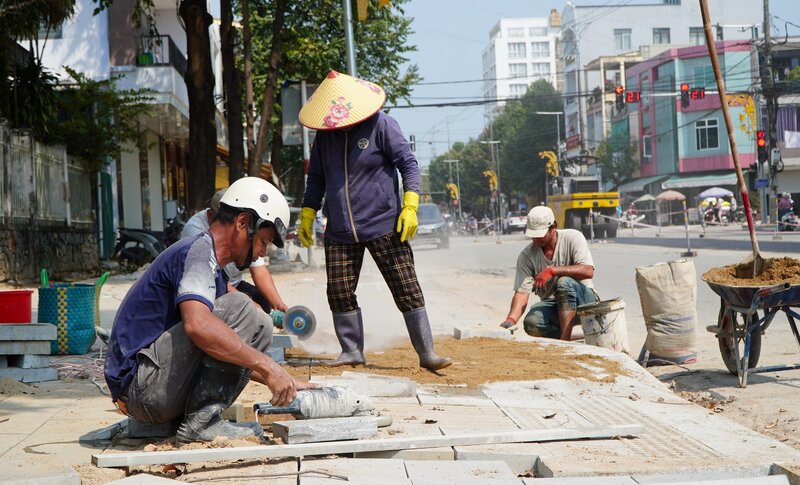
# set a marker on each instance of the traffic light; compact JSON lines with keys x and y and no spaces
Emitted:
{"x":620,"y":92}
{"x":453,"y":188}
{"x":492,"y":178}
{"x":684,"y":95}
{"x":761,"y":145}
{"x":412,"y":140}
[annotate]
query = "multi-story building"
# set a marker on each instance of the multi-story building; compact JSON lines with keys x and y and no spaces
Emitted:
{"x":148,"y":178}
{"x":520,"y":52}
{"x":589,"y":32}
{"x":682,"y":139}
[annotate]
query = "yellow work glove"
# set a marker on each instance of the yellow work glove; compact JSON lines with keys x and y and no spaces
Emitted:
{"x":305,"y":232}
{"x":407,"y":222}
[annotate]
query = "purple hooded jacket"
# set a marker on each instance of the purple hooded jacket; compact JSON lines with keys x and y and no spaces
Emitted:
{"x":356,"y":171}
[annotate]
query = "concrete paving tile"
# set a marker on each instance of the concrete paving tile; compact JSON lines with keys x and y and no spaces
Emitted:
{"x":365,"y":469}
{"x":144,"y":479}
{"x":273,"y":472}
{"x":617,"y":480}
{"x":469,"y":481}
{"x":444,"y":472}
{"x":380,"y":401}
{"x":36,"y":470}
{"x":427,"y":397}
{"x":10,"y":440}
{"x":93,"y":407}
{"x":546,"y":419}
{"x":28,"y":332}
{"x":371,"y":387}
{"x":520,"y":457}
{"x":708,"y":475}
{"x":62,"y":438}
{"x":425,"y":454}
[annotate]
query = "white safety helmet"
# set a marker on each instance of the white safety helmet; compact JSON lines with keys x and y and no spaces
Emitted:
{"x":263,"y":198}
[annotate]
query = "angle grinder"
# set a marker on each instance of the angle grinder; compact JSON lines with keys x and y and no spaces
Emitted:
{"x":298,"y":320}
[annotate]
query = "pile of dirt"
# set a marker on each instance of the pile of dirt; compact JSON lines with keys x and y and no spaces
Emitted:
{"x":11,"y":387}
{"x":479,"y":361}
{"x":782,"y":270}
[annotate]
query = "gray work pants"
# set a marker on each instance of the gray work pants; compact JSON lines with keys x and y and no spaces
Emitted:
{"x":166,"y":373}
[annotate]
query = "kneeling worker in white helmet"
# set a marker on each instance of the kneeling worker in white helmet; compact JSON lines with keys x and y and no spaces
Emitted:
{"x":182,"y":348}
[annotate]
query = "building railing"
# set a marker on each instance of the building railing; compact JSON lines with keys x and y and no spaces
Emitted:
{"x":160,"y":50}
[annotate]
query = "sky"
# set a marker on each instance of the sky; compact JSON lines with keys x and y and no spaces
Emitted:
{"x":451,"y":35}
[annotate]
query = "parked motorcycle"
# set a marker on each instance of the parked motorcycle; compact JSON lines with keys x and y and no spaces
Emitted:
{"x":788,"y":222}
{"x":710,"y":215}
{"x":137,"y":246}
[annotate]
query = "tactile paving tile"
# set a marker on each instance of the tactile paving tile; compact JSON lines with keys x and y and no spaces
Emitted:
{"x":658,"y":440}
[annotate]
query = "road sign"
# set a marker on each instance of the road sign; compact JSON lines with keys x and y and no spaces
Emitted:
{"x":762,"y":183}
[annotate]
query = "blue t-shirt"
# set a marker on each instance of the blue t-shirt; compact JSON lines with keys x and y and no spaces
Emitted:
{"x":187,"y":270}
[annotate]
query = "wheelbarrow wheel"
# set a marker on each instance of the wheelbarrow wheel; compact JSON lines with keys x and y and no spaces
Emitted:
{"x":727,"y":346}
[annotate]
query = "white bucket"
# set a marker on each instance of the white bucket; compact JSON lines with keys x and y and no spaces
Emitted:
{"x":604,"y":324}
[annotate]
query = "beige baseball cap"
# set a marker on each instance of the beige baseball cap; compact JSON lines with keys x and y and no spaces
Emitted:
{"x":341,"y":101}
{"x":540,"y":218}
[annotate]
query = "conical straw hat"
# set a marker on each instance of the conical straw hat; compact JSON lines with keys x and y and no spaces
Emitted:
{"x":341,"y":101}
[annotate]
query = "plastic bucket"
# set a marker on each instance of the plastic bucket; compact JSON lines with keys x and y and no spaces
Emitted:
{"x":604,"y":324}
{"x":15,"y":306}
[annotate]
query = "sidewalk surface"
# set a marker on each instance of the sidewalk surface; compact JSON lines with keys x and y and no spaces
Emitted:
{"x":50,"y":430}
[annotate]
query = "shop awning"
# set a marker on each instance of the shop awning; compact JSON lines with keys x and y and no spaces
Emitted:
{"x":638,"y":185}
{"x":690,"y":181}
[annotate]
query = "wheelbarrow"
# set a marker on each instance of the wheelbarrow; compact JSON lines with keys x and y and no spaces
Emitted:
{"x":744,"y":315}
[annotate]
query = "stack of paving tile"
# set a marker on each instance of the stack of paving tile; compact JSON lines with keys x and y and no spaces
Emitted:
{"x":25,"y":352}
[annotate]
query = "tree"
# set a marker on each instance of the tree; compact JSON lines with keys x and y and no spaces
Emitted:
{"x":617,"y":157}
{"x":233,"y":92}
{"x":312,"y":43}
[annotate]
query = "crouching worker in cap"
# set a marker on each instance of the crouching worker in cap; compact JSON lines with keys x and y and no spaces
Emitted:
{"x":182,"y":348}
{"x":558,"y":267}
{"x":354,"y":164}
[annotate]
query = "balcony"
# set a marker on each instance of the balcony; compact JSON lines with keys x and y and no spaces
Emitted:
{"x":160,"y":50}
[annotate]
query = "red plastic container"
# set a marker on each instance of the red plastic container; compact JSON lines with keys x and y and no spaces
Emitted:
{"x":15,"y":306}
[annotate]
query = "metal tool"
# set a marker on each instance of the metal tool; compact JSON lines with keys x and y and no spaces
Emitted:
{"x":298,"y":320}
{"x":322,"y":402}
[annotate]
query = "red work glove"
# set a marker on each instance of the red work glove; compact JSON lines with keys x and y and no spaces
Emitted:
{"x":542,"y":278}
{"x":509,"y":322}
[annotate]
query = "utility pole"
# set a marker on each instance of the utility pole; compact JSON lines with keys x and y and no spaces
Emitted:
{"x":768,"y":89}
{"x":458,"y":184}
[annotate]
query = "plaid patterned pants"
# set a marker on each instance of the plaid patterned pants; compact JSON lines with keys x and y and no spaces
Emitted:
{"x":395,"y":261}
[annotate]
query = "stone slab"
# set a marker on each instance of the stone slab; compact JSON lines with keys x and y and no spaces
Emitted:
{"x":469,"y":481}
{"x":28,"y":332}
{"x":37,"y":469}
{"x":614,"y":480}
{"x":143,"y":479}
{"x":424,"y":454}
{"x":444,"y":472}
{"x":312,"y":480}
{"x":428,"y":397}
{"x":277,"y":354}
{"x":235,"y":413}
{"x":326,"y":429}
{"x":3,"y":361}
{"x":462,"y":333}
{"x":29,"y":361}
{"x":367,"y":471}
{"x":283,"y":341}
{"x":140,"y":429}
{"x":520,"y":457}
{"x":740,"y":476}
{"x":30,"y":375}
{"x":16,"y":347}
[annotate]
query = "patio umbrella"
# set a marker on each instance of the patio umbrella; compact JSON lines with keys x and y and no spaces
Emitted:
{"x":645,"y":198}
{"x":670,"y":195}
{"x":715,"y":192}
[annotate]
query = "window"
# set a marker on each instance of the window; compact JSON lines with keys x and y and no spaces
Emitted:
{"x":707,"y":132}
{"x":540,"y":69}
{"x":518,"y":70}
{"x":702,"y":76}
{"x":661,"y":36}
{"x":516,"y":32}
{"x":517,"y":90}
{"x":622,"y":39}
{"x":697,"y":36}
{"x":516,"y":50}
{"x":540,"y":49}
{"x":647,"y":150}
{"x":537,"y":31}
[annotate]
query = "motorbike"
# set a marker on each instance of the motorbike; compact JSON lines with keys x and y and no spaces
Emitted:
{"x":140,"y":246}
{"x":788,"y":222}
{"x":710,"y":215}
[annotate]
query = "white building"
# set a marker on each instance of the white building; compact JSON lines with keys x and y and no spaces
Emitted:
{"x":591,"y":31}
{"x":520,"y":52}
{"x":149,"y":178}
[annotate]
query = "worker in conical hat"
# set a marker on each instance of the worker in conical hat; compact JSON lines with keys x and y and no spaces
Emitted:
{"x":357,"y":154}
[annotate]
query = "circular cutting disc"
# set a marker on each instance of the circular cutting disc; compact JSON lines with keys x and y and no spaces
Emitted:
{"x":299,"y":321}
